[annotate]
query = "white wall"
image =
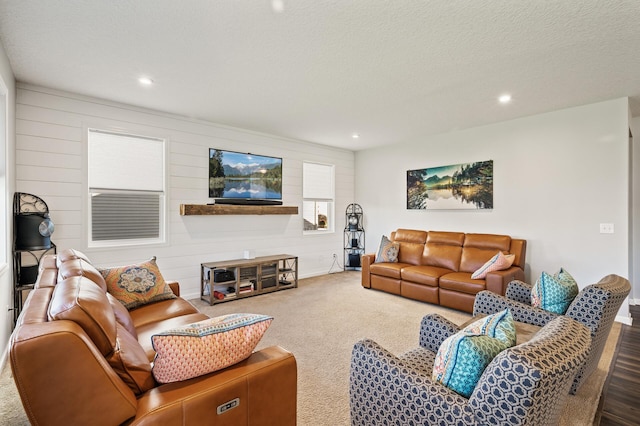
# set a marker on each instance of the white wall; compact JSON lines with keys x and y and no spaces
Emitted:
{"x":635,"y":258}
{"x":6,"y":191}
{"x":49,"y":163}
{"x":557,"y":176}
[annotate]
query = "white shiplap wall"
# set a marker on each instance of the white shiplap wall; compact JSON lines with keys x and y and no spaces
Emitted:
{"x":50,"y":162}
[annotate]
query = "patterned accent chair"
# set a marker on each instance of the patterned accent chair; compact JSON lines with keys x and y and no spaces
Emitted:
{"x":595,"y":306}
{"x":527,"y":384}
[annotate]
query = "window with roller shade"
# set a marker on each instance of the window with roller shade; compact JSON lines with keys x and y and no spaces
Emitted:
{"x":318,"y":189}
{"x":126,"y":176}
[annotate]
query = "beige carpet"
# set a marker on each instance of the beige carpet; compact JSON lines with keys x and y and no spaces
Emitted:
{"x":319,"y":322}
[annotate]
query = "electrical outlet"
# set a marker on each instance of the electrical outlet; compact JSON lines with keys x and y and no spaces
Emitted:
{"x":606,"y":228}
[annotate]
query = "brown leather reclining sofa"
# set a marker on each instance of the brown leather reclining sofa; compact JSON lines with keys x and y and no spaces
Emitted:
{"x":436,"y":266}
{"x":81,"y":369}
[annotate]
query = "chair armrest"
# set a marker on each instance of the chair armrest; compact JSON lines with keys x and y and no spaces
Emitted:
{"x":519,"y":291}
{"x":175,"y":287}
{"x":434,"y":329}
{"x":367,"y":260}
{"x":385,"y":390}
{"x":489,"y":303}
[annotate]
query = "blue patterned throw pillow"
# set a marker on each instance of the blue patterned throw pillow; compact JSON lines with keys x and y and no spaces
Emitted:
{"x":388,"y":251}
{"x":462,"y":357}
{"x":554,"y":293}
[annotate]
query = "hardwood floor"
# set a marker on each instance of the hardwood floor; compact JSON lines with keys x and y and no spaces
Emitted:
{"x":620,"y":401}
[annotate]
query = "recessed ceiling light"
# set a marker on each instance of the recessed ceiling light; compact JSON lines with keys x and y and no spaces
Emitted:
{"x":277,"y":5}
{"x":355,"y":135}
{"x":504,"y":99}
{"x":145,"y":81}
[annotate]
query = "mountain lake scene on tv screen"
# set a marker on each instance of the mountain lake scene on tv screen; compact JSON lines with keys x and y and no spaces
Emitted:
{"x":460,"y":186}
{"x":237,"y":175}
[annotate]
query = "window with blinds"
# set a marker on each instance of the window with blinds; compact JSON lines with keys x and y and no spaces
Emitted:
{"x":318,"y":190}
{"x":126,"y":176}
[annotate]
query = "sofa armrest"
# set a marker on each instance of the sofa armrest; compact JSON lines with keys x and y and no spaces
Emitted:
{"x":175,"y":287}
{"x":497,"y":281}
{"x":519,"y":291}
{"x":489,"y":303}
{"x":367,"y":260}
{"x":51,"y":361}
{"x":265,"y":385}
{"x":434,"y":329}
{"x":383,"y":389}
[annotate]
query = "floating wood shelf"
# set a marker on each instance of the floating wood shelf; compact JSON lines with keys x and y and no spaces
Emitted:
{"x":219,"y":209}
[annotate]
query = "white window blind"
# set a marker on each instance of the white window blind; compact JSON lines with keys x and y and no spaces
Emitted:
{"x":126,"y":176}
{"x":125,"y":162}
{"x":317,"y":181}
{"x":318,"y":191}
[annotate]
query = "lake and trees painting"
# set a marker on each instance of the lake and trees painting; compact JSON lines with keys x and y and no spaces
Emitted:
{"x":460,"y":186}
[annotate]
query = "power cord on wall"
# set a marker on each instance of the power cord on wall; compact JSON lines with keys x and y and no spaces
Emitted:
{"x":335,"y":263}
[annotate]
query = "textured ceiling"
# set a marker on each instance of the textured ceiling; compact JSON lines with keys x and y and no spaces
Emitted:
{"x":320,"y":70}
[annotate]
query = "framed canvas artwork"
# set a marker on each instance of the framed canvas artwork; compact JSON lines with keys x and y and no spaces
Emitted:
{"x":459,"y":186}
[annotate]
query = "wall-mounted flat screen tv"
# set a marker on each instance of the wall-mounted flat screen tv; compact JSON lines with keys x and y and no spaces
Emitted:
{"x":236,"y":177}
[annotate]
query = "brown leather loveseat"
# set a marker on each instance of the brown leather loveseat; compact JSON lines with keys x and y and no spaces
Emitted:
{"x":74,"y":360}
{"x":436,"y":266}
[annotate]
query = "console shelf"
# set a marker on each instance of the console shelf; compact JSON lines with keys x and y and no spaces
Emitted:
{"x":235,"y":279}
{"x":220,"y":209}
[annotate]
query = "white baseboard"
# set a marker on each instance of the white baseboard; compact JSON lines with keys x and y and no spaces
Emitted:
{"x":624,"y":319}
{"x":189,"y":296}
{"x":4,"y":358}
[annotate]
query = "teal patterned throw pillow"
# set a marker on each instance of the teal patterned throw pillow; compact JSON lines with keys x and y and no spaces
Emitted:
{"x":462,"y":357}
{"x":554,"y":293}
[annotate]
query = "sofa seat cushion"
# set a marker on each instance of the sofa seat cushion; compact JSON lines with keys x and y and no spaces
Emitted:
{"x":387,"y":269}
{"x":461,"y":282}
{"x":145,"y":332}
{"x":159,"y":311}
{"x":427,"y":275}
